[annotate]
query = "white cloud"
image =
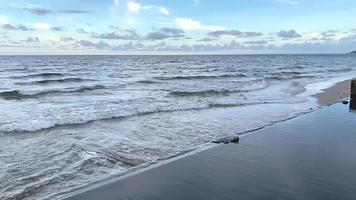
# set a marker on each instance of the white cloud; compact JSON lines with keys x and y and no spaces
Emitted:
{"x":3,"y":19}
{"x":41,"y":26}
{"x":133,"y":6}
{"x":190,"y":24}
{"x":164,"y":10}
{"x":136,"y":7}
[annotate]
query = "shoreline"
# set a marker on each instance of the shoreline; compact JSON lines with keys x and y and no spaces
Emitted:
{"x":335,"y":93}
{"x":208,"y":164}
{"x":326,"y":98}
{"x":145,"y":110}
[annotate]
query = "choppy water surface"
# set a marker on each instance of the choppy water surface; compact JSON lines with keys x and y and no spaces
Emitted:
{"x":66,"y":121}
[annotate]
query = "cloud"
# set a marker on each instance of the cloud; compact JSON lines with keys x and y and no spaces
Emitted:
{"x":207,"y":39}
{"x":32,"y":8}
{"x":129,"y":35}
{"x":75,"y":11}
{"x":236,"y":33}
{"x":164,"y":33}
{"x":86,"y":43}
{"x":329,"y":33}
{"x":115,"y":27}
{"x":164,"y":10}
{"x":289,"y":34}
{"x":190,"y":24}
{"x":345,"y":45}
{"x":233,"y":45}
{"x":128,"y":46}
{"x":348,"y":39}
{"x":19,"y":27}
{"x":3,"y":20}
{"x":8,"y":27}
{"x":82,"y":31}
{"x":136,"y":7}
{"x":22,"y":27}
{"x":159,"y":9}
{"x":41,"y":11}
{"x":57,"y":28}
{"x":66,"y":39}
{"x":257,"y":42}
{"x":32,"y":40}
{"x":41,"y":26}
{"x":3,"y":35}
{"x":133,"y":6}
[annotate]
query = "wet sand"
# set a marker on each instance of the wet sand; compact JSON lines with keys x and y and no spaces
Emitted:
{"x":334,"y":93}
{"x":309,"y":157}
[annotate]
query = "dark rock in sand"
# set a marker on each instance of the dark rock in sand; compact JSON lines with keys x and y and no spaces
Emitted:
{"x":234,"y":140}
{"x":222,"y":141}
{"x":345,"y":102}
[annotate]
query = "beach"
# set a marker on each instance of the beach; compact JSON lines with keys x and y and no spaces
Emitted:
{"x":308,"y":157}
{"x":329,"y":96}
{"x":189,"y":99}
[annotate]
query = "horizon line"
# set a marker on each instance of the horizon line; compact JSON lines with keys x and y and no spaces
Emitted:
{"x":223,"y":54}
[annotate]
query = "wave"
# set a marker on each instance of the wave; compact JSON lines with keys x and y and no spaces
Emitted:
{"x":347,"y":69}
{"x":72,"y":122}
{"x":283,"y":78}
{"x":46,"y":125}
{"x":204,"y":93}
{"x":50,"y":81}
{"x":147,"y":82}
{"x":12,"y":95}
{"x":200,"y":77}
{"x":18,"y":95}
{"x":226,"y":105}
{"x":245,"y":87}
{"x":45,"y":74}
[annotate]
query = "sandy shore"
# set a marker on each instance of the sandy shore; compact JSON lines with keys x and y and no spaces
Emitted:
{"x":309,"y":157}
{"x":334,"y":93}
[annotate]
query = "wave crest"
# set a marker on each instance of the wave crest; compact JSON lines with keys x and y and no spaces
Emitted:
{"x":18,"y":95}
{"x":200,"y":77}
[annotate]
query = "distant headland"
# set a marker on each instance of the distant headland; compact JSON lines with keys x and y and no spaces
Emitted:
{"x":353,"y":52}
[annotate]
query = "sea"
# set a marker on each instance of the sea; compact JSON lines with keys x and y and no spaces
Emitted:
{"x":69,"y":121}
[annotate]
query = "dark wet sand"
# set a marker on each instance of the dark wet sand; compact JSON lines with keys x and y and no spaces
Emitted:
{"x":309,"y":157}
{"x":335,"y":93}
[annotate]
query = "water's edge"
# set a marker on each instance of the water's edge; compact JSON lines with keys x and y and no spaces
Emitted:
{"x":209,"y":145}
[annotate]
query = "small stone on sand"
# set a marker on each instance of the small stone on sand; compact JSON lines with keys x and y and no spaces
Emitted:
{"x":345,"y":102}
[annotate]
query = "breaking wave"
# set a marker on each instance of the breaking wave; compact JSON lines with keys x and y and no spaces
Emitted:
{"x":45,"y":74}
{"x":202,"y":93}
{"x":54,"y":81}
{"x":200,"y":77}
{"x":18,"y":95}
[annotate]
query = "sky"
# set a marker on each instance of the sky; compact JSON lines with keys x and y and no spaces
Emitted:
{"x":177,"y":27}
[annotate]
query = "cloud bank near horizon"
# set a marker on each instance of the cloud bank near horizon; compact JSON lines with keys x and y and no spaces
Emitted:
{"x":159,"y":27}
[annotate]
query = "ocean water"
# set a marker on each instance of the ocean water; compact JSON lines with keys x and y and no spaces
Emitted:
{"x":67,"y":121}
